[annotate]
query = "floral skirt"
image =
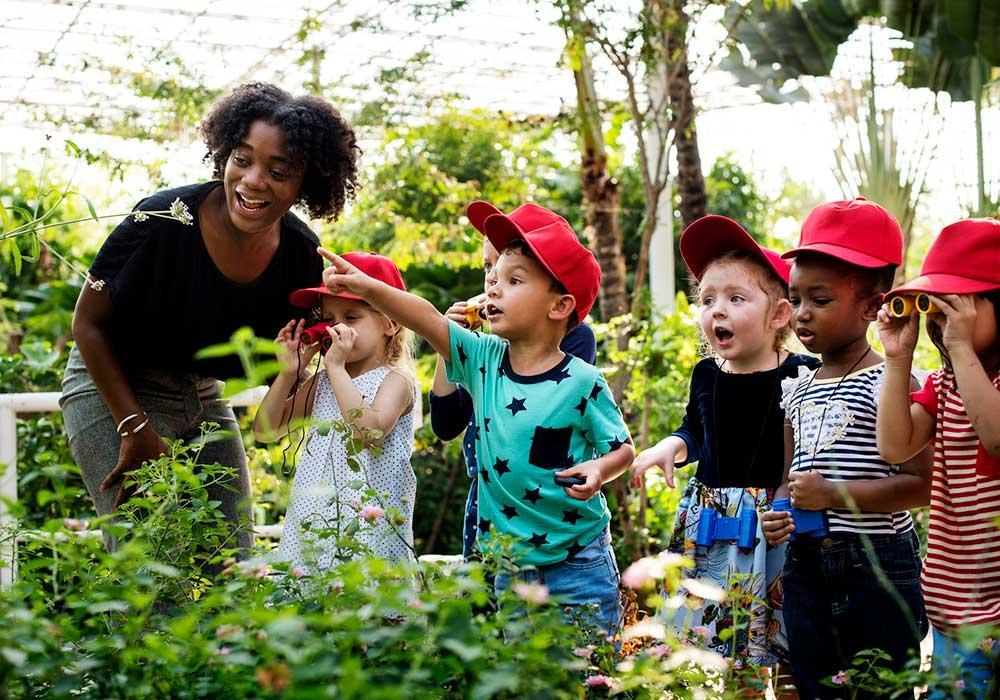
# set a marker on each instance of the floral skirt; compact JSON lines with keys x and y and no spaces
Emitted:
{"x":751,"y":577}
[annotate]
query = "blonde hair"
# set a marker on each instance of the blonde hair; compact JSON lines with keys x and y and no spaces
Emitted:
{"x":767,"y":280}
{"x":399,"y":354}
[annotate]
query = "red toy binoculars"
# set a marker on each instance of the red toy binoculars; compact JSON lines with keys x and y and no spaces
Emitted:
{"x":317,"y":334}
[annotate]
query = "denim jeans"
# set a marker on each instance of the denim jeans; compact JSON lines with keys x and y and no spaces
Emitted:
{"x":836,"y":605}
{"x":952,"y":663}
{"x":176,"y":404}
{"x":586,"y":585}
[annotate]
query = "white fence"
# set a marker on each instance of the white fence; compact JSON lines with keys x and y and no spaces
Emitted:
{"x":48,"y":402}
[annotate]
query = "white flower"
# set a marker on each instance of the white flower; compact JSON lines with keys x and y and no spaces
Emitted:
{"x":140,"y":216}
{"x":179,"y":211}
{"x":696,"y":657}
{"x":96,"y":285}
{"x":649,"y":627}
{"x":704,"y":590}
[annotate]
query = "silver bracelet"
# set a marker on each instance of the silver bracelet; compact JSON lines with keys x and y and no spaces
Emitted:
{"x":125,"y":420}
{"x":138,"y":428}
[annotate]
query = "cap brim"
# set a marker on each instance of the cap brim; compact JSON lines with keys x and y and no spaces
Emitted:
{"x":308,"y":298}
{"x":710,"y":236}
{"x":943,"y":284}
{"x":478,"y":212}
{"x":840,"y":253}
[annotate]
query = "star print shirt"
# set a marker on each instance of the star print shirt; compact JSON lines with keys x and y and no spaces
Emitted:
{"x":834,"y":424}
{"x":527,"y":429}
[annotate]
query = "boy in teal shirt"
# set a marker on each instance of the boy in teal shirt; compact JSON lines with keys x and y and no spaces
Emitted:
{"x":541,"y":414}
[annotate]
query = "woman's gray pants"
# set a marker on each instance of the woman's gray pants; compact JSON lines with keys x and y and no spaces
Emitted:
{"x":177,"y":405}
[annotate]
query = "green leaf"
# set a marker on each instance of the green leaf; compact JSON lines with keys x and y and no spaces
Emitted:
{"x":72,"y":147}
{"x":220,"y":350}
{"x":15,"y":255}
{"x":108,"y":606}
{"x":14,"y":657}
{"x":4,"y":218}
{"x":90,"y":206}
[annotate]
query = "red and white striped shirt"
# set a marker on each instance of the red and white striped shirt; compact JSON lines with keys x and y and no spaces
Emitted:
{"x":961,"y":574}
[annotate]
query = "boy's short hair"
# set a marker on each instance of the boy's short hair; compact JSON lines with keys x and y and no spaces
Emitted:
{"x":867,"y":281}
{"x":520,"y":246}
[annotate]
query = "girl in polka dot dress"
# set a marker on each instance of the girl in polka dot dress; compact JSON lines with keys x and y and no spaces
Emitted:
{"x":368,"y":371}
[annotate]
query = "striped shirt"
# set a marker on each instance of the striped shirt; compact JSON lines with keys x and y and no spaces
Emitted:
{"x":961,"y":575}
{"x":844,"y":409}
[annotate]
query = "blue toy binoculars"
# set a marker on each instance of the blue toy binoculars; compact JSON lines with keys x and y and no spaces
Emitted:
{"x":713,"y":528}
{"x":809,"y":523}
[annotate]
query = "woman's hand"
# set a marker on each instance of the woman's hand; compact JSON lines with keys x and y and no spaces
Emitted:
{"x":662,"y":456}
{"x":342,"y":339}
{"x":899,"y":335}
{"x":292,"y":354}
{"x":957,"y":319}
{"x":134,"y":451}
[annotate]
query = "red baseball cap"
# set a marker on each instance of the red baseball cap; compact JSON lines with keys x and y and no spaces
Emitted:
{"x":551,"y":239}
{"x":372,"y":264}
{"x":710,"y":236}
{"x":858,"y":232}
{"x":963,"y":259}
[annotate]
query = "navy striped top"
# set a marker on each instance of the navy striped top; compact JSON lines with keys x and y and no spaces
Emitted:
{"x":844,"y":409}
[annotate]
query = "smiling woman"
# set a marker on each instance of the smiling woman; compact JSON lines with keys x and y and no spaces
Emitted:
{"x":161,"y":290}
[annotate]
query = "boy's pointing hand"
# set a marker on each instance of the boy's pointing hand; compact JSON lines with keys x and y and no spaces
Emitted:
{"x":342,"y":276}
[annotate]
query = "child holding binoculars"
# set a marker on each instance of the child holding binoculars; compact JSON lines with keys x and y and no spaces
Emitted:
{"x":733,"y":430}
{"x":958,"y":409}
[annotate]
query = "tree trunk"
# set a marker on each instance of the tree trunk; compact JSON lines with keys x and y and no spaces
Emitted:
{"x":600,"y":190}
{"x":690,"y":181}
{"x":601,"y":195}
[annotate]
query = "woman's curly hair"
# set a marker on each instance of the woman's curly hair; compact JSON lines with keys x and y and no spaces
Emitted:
{"x":318,"y":139}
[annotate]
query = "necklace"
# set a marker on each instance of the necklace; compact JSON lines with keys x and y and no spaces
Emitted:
{"x":829,"y":400}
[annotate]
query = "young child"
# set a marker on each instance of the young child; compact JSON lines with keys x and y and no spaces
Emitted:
{"x":541,"y":415}
{"x":733,"y":430}
{"x":369,"y":366}
{"x":855,"y":587}
{"x":451,"y":406}
{"x":958,"y":409}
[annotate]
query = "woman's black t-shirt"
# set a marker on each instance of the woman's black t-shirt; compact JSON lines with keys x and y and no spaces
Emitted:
{"x":734,"y":425}
{"x":169,"y":299}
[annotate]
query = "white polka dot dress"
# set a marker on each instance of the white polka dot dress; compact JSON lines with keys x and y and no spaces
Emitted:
{"x":327,"y":495}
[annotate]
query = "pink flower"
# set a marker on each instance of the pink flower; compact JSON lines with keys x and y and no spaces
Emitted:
{"x":703,"y":632}
{"x":74,"y":525}
{"x":224,"y":651}
{"x":531,"y":592}
{"x":355,"y":503}
{"x":841,"y":678}
{"x":414,"y":603}
{"x":960,"y":684}
{"x":602,"y":682}
{"x":371,"y":513}
{"x":584,"y":652}
{"x":297,"y":572}
{"x":986,"y":644}
{"x":641,"y":573}
{"x":658,"y":652}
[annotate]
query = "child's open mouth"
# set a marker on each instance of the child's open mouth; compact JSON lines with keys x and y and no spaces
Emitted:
{"x":250,"y":205}
{"x":723,"y":336}
{"x":493,"y":312}
{"x":805,"y":335}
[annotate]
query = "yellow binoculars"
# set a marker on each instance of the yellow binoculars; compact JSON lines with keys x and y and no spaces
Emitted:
{"x":900,"y":306}
{"x":472,"y":309}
